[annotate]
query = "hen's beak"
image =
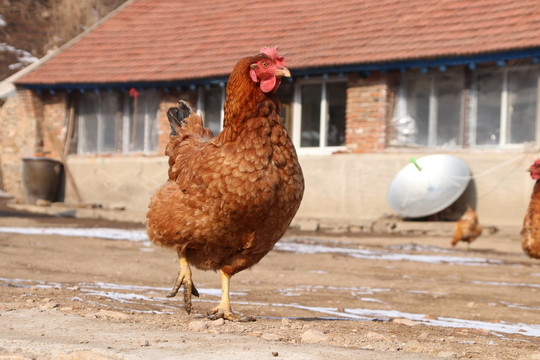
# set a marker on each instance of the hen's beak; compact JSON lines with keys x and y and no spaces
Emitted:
{"x":283,"y":71}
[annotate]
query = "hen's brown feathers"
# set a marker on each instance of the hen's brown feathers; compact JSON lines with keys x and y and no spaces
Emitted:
{"x":229,"y":198}
{"x":530,"y":234}
{"x":466,"y":229}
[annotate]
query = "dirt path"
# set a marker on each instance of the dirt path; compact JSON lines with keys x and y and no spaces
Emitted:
{"x":81,"y":296}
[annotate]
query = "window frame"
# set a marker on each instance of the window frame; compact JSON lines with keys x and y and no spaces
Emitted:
{"x":433,"y":103}
{"x":122,"y":136}
{"x":504,"y":122}
{"x":296,"y":128}
{"x":201,"y":111}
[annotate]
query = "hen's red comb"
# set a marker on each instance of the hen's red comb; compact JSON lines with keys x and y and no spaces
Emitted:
{"x":272,"y":52}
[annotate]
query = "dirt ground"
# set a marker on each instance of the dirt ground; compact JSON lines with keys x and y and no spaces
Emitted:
{"x":315,"y":296}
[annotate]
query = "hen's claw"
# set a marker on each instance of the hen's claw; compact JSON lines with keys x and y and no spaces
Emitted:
{"x":178,"y":284}
{"x":223,"y":310}
{"x":184,"y":279}
{"x":227,"y":314}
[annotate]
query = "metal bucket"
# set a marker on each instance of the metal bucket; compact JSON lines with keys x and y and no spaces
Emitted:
{"x":41,"y":179}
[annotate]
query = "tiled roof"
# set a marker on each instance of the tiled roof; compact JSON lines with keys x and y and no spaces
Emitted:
{"x":170,"y":40}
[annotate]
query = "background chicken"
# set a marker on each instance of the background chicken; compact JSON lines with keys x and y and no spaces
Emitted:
{"x":467,"y":228}
{"x":530,"y":234}
{"x":229,"y":198}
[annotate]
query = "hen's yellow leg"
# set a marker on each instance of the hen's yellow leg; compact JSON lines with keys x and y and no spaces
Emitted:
{"x":223,"y":310}
{"x":184,"y":278}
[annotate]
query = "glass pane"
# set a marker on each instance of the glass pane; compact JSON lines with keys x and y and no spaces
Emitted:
{"x":286,"y":96}
{"x":488,"y":117}
{"x":448,"y":111}
{"x":88,"y":122}
{"x":143,"y":111}
{"x":212,"y":109}
{"x":151,"y":116}
{"x":109,"y":116}
{"x":311,"y":114}
{"x":418,"y":107}
{"x":336,"y":94}
{"x":522,"y":95}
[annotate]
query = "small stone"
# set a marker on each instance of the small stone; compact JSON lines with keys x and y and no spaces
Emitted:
{"x":50,"y":305}
{"x":447,"y":355}
{"x":270,"y":337}
{"x":197,"y":326}
{"x":111,"y":314}
{"x":218,"y":322}
{"x":76,"y":288}
{"x":313,"y":337}
{"x":484,"y":332}
{"x":275,"y":353}
{"x":43,"y":202}
{"x":285,"y":321}
{"x":81,"y":355}
{"x":144,"y":343}
{"x":376,"y":336}
{"x":406,"y":322}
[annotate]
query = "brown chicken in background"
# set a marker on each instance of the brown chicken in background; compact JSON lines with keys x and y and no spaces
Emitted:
{"x":530,"y":234}
{"x":467,"y":229}
{"x":228,"y":198}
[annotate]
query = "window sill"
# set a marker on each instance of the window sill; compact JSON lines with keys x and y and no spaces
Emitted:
{"x":321,"y":150}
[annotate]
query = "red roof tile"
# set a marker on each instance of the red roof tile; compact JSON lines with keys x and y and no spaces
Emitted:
{"x":168,"y":40}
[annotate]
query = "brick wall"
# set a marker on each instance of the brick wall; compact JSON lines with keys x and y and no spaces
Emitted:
{"x":19,"y":138}
{"x":54,"y":124}
{"x":367,"y":111}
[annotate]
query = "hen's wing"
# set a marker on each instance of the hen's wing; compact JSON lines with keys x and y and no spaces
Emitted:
{"x":179,"y":200}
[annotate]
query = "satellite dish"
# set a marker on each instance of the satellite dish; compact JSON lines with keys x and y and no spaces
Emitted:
{"x":428,"y":185}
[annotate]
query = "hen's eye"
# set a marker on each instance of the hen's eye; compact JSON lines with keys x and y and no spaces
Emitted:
{"x":265,"y":64}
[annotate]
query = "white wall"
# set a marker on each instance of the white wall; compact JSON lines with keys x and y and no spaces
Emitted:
{"x":346,"y":188}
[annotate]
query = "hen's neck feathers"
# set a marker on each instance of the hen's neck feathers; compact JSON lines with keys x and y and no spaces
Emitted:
{"x":245,"y":99}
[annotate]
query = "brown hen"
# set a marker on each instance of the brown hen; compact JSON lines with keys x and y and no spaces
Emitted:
{"x":530,"y":234}
{"x":228,"y":198}
{"x":467,"y":229}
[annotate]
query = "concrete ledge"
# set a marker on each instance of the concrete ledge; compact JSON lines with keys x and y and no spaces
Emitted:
{"x":356,"y":227}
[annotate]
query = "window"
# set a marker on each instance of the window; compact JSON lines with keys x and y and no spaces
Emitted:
{"x":521,"y":108}
{"x":487,"y":129}
{"x":504,"y":107}
{"x":111,"y":121}
{"x":141,"y":122}
{"x":429,"y":110}
{"x":211,"y":101}
{"x":319,"y":116}
{"x":98,"y":122}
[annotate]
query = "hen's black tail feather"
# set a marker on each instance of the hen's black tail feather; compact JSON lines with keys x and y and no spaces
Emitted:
{"x":177,"y":115}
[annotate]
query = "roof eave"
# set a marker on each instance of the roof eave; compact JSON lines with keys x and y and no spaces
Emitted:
{"x":397,"y":65}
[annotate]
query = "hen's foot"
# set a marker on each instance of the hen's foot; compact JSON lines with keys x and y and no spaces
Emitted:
{"x":180,"y":280}
{"x":227,"y":314}
{"x":184,"y":279}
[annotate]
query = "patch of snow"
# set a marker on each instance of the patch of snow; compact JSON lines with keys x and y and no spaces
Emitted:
{"x":24,"y":57}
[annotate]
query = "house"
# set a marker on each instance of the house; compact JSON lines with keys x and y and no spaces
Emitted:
{"x":374,"y":84}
